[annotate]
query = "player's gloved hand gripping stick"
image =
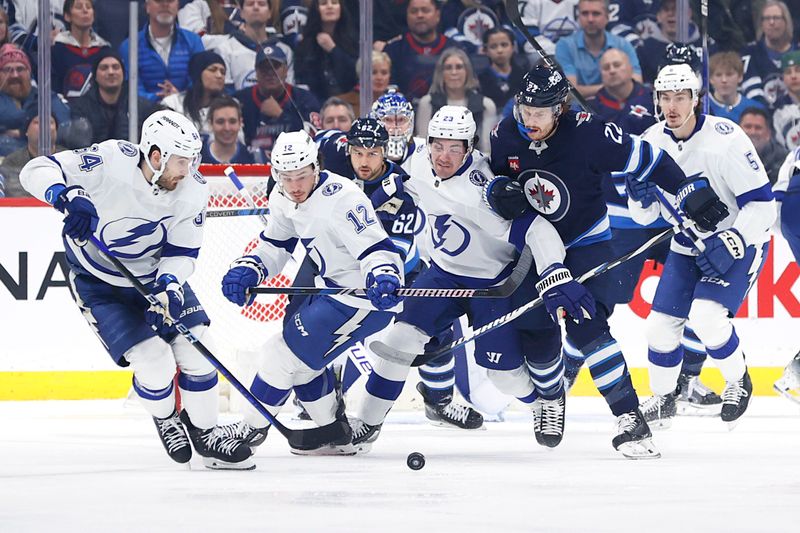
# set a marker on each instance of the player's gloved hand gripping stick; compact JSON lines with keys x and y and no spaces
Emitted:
{"x":298,"y":438}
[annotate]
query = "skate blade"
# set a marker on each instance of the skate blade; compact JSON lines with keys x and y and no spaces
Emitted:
{"x":345,"y":449}
{"x":693,"y":409}
{"x":217,"y":464}
{"x":660,"y":424}
{"x":787,"y":392}
{"x":448,"y":425}
{"x":643,"y":449}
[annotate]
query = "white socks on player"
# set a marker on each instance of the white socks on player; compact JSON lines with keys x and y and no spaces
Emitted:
{"x":153,"y":371}
{"x":517,"y":382}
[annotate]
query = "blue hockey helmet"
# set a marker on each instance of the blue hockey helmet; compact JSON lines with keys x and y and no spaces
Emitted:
{"x":681,"y":54}
{"x":367,"y":133}
{"x":543,"y":87}
{"x":401,"y":124}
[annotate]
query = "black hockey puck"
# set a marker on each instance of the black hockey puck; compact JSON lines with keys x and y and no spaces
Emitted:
{"x":415,"y":461}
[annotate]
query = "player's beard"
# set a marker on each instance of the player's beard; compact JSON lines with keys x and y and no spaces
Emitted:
{"x":169,"y":183}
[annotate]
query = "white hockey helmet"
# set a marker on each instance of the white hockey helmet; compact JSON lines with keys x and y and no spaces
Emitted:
{"x":173,"y":134}
{"x":293,"y":150}
{"x":676,"y":78}
{"x":453,"y":122}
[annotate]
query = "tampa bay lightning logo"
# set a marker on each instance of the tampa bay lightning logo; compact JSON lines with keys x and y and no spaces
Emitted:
{"x":449,"y":236}
{"x":127,"y":148}
{"x":331,"y":188}
{"x":476,"y":177}
{"x":723,"y":128}
{"x":132,"y":238}
{"x":547,"y":193}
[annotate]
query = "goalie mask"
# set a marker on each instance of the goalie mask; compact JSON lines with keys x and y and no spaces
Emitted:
{"x":396,"y":114}
{"x":173,"y":135}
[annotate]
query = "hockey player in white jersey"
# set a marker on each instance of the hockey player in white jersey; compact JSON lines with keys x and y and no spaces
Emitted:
{"x":470,"y":246}
{"x":336,"y":223}
{"x":147,"y":204}
{"x":786,"y":191}
{"x":705,"y":284}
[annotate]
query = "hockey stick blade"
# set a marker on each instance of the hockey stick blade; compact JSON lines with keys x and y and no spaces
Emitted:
{"x":257,"y":211}
{"x":503,"y":290}
{"x":421,"y":359}
{"x":512,"y":10}
{"x":321,"y":435}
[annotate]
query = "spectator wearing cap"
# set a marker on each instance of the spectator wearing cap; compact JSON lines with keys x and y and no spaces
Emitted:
{"x":105,"y":104}
{"x":165,"y":50}
{"x":786,"y":119}
{"x":273,"y":105}
{"x":207,"y":71}
{"x":18,"y":99}
{"x":327,"y":53}
{"x":579,"y":53}
{"x":755,"y":123}
{"x":73,"y":50}
{"x":13,"y":162}
{"x":239,"y":45}
{"x":224,"y":146}
{"x":726,"y":72}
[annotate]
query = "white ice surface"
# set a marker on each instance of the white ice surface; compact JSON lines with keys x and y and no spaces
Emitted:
{"x":95,"y":466}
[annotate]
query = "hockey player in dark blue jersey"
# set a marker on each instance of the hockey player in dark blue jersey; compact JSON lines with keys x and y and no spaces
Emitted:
{"x":360,"y":154}
{"x":556,"y":160}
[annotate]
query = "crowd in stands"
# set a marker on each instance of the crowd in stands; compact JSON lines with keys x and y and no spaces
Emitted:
{"x":245,"y":70}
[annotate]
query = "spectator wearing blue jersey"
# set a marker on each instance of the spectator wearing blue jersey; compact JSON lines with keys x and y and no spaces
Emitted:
{"x":165,"y":50}
{"x":762,"y":59}
{"x":621,"y":99}
{"x":73,"y":50}
{"x":502,"y":79}
{"x":726,"y":72}
{"x":579,"y":54}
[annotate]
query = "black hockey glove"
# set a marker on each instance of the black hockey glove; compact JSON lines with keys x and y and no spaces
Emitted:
{"x":506,"y":197}
{"x":700,"y":203}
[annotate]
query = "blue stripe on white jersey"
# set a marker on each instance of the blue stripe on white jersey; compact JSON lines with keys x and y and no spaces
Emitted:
{"x":761,"y":194}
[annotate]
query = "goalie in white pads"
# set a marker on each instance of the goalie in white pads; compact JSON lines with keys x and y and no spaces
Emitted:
{"x":147,"y":204}
{"x":706,"y":286}
{"x":335,"y":221}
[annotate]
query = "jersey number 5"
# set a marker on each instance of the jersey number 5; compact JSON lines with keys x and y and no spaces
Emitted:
{"x":89,"y":161}
{"x":360,"y":217}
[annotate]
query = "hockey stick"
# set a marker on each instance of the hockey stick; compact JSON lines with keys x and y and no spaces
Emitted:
{"x":501,"y":291}
{"x":512,"y":10}
{"x":243,"y":191}
{"x":298,"y":438}
{"x":259,"y":211}
{"x":704,"y":32}
{"x":390,"y":354}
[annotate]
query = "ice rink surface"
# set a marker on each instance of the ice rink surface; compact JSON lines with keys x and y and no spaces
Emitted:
{"x":94,"y":466}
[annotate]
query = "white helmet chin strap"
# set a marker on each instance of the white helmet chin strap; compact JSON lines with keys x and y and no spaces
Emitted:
{"x":688,"y":116}
{"x":154,"y":186}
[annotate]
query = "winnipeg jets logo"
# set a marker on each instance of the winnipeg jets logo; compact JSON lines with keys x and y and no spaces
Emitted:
{"x":450,"y":237}
{"x":546,"y":193}
{"x":639,"y":111}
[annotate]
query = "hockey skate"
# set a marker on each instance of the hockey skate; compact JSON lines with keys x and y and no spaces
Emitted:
{"x":450,"y":414}
{"x":341,"y":442}
{"x":173,"y":437}
{"x":788,"y":384}
{"x":219,"y":451}
{"x":548,"y":420}
{"x":634,"y":439}
{"x":364,"y":434}
{"x":695,"y":399}
{"x":659,"y":411}
{"x":735,"y":399}
{"x":302,"y":414}
{"x":250,"y":435}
